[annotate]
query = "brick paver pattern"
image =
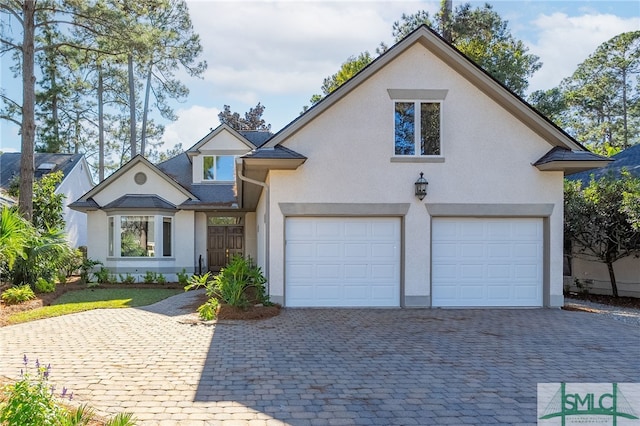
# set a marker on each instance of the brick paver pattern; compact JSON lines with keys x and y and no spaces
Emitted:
{"x":324,"y":366}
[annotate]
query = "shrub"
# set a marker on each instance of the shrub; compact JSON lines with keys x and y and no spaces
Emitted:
{"x":236,"y":279}
{"x":62,"y":277}
{"x":31,"y":401}
{"x":149,"y":277}
{"x":18,"y":294}
{"x":183,"y":277}
{"x":86,"y":267}
{"x":44,"y":286}
{"x":209,"y":310}
{"x":127,"y":279}
{"x":103,"y":275}
{"x":160,"y":279}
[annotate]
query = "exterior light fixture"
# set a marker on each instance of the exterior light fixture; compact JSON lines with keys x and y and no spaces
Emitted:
{"x":421,"y":187}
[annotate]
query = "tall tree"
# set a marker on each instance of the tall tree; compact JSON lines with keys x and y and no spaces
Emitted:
{"x":601,"y":220}
{"x":349,"y":68}
{"x":602,"y":96}
{"x":483,"y":36}
{"x":252,"y":119}
{"x":30,"y":17}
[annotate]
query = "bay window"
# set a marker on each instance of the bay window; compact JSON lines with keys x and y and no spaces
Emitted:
{"x":140,"y":236}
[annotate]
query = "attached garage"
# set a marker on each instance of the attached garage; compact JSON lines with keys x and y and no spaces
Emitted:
{"x":342,"y":261}
{"x":487,"y":262}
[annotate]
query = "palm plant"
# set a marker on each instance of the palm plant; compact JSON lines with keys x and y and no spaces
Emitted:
{"x":15,"y":232}
{"x":45,"y":254}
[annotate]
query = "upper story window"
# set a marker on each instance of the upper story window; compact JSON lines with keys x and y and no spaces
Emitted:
{"x":417,"y":128}
{"x":218,"y":168}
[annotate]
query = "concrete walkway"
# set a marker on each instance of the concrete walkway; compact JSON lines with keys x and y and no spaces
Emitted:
{"x":323,"y":366}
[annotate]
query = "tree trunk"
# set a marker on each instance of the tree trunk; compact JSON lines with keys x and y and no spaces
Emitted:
{"x":100,"y":127}
{"x":145,"y":112}
{"x":28,"y":128}
{"x":612,"y":277}
{"x":132,"y":106}
{"x":445,"y":23}
{"x":625,"y":134}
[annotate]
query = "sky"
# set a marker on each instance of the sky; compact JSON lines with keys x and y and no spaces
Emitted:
{"x":279,"y":52}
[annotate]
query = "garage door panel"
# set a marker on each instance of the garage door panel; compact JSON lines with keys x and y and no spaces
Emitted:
{"x":486,"y":262}
{"x":354,"y":262}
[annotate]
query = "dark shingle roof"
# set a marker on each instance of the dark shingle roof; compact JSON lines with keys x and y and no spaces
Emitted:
{"x":90,"y":204}
{"x":277,"y":152}
{"x":563,"y":154}
{"x":628,"y":159}
{"x":179,"y":168}
{"x":10,"y":165}
{"x":256,"y":137}
{"x":136,"y":201}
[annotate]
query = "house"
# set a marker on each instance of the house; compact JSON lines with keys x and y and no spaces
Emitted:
{"x":335,"y":207}
{"x":591,"y":274}
{"x":75,"y":182}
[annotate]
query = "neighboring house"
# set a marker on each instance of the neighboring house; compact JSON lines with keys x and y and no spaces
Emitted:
{"x":328,"y":208}
{"x":6,"y":200}
{"x":593,"y":275}
{"x":76,"y":182}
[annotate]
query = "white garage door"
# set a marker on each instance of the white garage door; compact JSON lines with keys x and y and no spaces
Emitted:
{"x":486,"y":262}
{"x":342,"y":262}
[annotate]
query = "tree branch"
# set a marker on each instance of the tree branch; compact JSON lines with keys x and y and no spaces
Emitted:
{"x":8,"y":43}
{"x":13,"y":12}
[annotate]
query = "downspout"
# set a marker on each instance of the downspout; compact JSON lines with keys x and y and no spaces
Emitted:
{"x":266,"y":221}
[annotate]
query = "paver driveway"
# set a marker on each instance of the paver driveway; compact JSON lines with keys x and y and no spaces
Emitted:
{"x":324,"y":366}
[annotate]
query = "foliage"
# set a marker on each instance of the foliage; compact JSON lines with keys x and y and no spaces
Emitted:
{"x":483,"y":36}
{"x":102,"y":298}
{"x":15,"y":232}
{"x":86,"y":267}
{"x":47,"y":205}
{"x":349,"y":68}
{"x":160,"y":279}
{"x":200,"y":281}
{"x":601,"y":219}
{"x":209,"y":311}
{"x":599,"y":104}
{"x":18,"y":294}
{"x":130,"y":245}
{"x":149,"y":277}
{"x":104,"y":276}
{"x":183,"y":277}
{"x":233,"y":281}
{"x":46,"y":254}
{"x":44,"y":286}
{"x":127,"y":279}
{"x":32,"y":401}
{"x":252,"y":119}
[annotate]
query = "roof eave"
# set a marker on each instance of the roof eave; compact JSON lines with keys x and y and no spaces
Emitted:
{"x":570,"y":167}
{"x":273,"y":163}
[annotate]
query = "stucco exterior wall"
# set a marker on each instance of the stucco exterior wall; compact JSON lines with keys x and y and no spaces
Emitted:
{"x":75,"y":184}
{"x":126,"y":185}
{"x":200,"y":235}
{"x":487,"y":159}
{"x":594,"y":276}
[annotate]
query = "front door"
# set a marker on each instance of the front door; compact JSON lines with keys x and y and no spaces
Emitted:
{"x":223,"y":243}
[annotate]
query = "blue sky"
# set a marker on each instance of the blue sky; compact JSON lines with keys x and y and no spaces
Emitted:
{"x":279,"y":52}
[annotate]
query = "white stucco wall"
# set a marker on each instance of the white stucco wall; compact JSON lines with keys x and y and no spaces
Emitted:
{"x":200,"y":232}
{"x":222,"y":143}
{"x":75,"y":184}
{"x":487,"y":159}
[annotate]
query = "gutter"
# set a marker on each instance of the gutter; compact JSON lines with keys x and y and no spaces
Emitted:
{"x":266,"y":219}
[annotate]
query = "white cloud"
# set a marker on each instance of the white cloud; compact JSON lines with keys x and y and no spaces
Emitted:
{"x":192,"y":125}
{"x":566,"y":41}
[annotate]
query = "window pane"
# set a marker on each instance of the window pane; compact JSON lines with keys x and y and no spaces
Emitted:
{"x":226,"y":220}
{"x":111,"y":235}
{"x":207,"y":166}
{"x":430,"y":129}
{"x":166,"y":236}
{"x":137,"y":236}
{"x":405,"y":128}
{"x":225,"y":167}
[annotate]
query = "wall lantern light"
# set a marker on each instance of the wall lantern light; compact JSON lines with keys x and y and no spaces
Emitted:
{"x":421,"y":187}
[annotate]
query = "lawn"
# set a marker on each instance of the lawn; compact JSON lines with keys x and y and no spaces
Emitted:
{"x":85,"y":300}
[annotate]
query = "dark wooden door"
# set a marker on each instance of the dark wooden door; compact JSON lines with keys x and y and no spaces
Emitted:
{"x":224,"y":242}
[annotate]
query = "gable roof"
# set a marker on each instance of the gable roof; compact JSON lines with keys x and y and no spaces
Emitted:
{"x":44,"y":163}
{"x":628,"y":159}
{"x":460,"y":63}
{"x":570,"y":161}
{"x":122,"y":170}
{"x":252,"y":138}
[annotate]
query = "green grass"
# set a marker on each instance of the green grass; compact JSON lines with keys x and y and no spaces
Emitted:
{"x":86,"y":300}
